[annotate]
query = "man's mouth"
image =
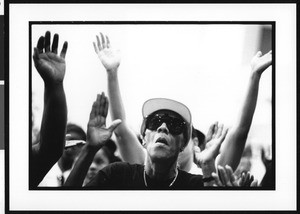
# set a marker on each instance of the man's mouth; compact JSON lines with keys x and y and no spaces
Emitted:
{"x":162,"y":140}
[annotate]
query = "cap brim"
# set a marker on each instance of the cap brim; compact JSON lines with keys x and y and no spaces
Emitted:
{"x":155,"y":104}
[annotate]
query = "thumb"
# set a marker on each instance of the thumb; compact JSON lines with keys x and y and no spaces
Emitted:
{"x":114,"y":125}
{"x":258,"y":54}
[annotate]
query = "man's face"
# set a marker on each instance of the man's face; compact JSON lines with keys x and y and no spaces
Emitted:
{"x":164,"y":135}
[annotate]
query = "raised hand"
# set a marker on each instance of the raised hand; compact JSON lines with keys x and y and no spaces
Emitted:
{"x":97,"y":133}
{"x":109,"y":58}
{"x":50,"y":66}
{"x":215,"y":136}
{"x":260,"y":63}
{"x":225,"y":177}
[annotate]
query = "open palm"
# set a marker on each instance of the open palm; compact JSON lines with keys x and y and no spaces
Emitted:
{"x":215,"y":137}
{"x":50,"y":66}
{"x":109,"y":58}
{"x":97,"y":132}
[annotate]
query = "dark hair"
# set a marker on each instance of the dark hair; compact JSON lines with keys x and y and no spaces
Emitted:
{"x":71,"y":127}
{"x":109,"y":148}
{"x":198,"y":134}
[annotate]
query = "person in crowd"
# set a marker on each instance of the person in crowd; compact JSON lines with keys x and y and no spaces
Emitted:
{"x":75,"y":139}
{"x":268,"y":180}
{"x":166,"y":130}
{"x":103,"y":158}
{"x":51,"y":68}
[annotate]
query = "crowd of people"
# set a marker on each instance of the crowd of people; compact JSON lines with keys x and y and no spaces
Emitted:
{"x":170,"y":153}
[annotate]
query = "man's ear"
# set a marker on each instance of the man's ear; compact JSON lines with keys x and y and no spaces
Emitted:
{"x":143,"y":141}
{"x":196,"y":141}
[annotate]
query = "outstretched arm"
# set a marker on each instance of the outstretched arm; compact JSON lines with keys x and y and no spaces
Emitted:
{"x":97,"y":135}
{"x":51,"y":68}
{"x":130,"y":148}
{"x":234,"y":144}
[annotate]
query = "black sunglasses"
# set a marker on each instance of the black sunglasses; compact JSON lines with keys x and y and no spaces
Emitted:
{"x":175,"y":125}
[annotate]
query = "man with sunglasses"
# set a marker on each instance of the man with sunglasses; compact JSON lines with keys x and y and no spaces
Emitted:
{"x":166,"y":130}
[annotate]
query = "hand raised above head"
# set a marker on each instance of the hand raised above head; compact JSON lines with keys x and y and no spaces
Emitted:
{"x":109,"y":58}
{"x":97,"y":132}
{"x":50,"y":66}
{"x":260,"y":63}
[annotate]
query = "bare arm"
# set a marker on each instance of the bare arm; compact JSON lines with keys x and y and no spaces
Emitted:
{"x":130,"y":148}
{"x":51,"y":68}
{"x":234,"y":144}
{"x":97,"y":135}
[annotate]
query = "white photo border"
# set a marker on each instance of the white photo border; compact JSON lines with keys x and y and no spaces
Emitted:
{"x":283,"y":198}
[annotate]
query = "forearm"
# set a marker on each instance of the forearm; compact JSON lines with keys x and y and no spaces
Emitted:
{"x":80,"y":169}
{"x":130,"y":148}
{"x":53,"y":127}
{"x":244,"y":120}
{"x":233,"y":146}
{"x":117,"y":108}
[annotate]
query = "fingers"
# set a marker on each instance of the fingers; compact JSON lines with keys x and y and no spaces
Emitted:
{"x":93,"y":112}
{"x":47,"y":41}
{"x":95,"y":48}
{"x":101,"y":43}
{"x":35,"y":55}
{"x":55,"y":44}
{"x":44,"y":45}
{"x":224,"y":177}
{"x":217,"y":180}
{"x":210,"y":132}
{"x":258,"y":54}
{"x":254,"y":183}
{"x":219,"y":130}
{"x":107,"y":42}
{"x":64,"y":50}
{"x":40,"y":44}
{"x":103,"y":108}
{"x":231,"y":175}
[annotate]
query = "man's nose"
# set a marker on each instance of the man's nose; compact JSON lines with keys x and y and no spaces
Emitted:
{"x":93,"y":166}
{"x":163,"y":128}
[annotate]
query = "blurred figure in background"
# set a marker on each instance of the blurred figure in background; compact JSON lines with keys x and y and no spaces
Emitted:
{"x":103,"y":157}
{"x":268,"y":180}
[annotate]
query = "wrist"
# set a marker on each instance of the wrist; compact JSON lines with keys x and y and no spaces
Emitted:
{"x":91,"y":149}
{"x":112,"y":71}
{"x":208,"y":167}
{"x":255,"y":74}
{"x":54,"y":85}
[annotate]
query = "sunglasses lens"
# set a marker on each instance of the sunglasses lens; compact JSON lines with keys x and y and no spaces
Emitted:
{"x":176,"y":126}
